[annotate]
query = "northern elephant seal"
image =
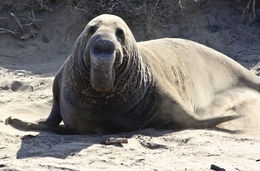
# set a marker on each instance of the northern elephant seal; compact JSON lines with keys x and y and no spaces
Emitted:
{"x":111,"y":83}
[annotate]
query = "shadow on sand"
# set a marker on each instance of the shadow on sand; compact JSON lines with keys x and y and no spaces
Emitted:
{"x":47,"y":144}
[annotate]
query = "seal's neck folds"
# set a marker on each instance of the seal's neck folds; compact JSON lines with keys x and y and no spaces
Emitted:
{"x":132,"y":80}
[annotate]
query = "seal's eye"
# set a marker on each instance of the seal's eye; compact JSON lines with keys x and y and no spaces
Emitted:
{"x":92,"y":29}
{"x":120,"y":33}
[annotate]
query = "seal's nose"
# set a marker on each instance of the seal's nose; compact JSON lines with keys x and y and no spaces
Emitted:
{"x":103,"y":46}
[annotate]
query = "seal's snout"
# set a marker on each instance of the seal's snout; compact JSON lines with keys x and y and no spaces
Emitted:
{"x":102,"y":58}
{"x":103,"y":46}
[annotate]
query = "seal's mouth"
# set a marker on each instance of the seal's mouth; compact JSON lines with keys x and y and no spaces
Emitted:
{"x":104,"y":57}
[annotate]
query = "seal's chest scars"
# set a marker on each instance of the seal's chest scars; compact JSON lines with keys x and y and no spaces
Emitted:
{"x":111,"y":83}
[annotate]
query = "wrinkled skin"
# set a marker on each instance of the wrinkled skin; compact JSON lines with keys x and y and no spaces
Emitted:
{"x":110,"y":83}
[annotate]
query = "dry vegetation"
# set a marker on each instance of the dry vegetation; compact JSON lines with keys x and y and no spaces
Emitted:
{"x":148,"y":13}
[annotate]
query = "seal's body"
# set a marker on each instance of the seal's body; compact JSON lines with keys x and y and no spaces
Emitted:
{"x":111,"y":83}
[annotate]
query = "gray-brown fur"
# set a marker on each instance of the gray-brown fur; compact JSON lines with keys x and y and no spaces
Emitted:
{"x":110,"y":83}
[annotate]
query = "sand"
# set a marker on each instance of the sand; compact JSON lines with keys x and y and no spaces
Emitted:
{"x":27,"y":69}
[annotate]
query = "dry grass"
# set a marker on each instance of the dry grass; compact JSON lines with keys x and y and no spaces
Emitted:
{"x":149,"y":14}
{"x":250,"y":9}
{"x":152,"y":13}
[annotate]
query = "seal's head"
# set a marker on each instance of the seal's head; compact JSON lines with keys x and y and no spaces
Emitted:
{"x":108,"y":40}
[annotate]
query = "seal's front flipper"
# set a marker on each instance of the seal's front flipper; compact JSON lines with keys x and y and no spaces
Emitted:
{"x":41,"y":126}
{"x":54,"y":119}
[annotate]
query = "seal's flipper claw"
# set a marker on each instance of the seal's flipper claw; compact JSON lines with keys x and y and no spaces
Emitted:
{"x":22,"y":125}
{"x":40,"y":126}
{"x":213,"y":122}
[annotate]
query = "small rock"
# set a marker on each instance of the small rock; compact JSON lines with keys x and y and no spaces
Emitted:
{"x":45,"y":39}
{"x":111,"y":141}
{"x":216,"y":168}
